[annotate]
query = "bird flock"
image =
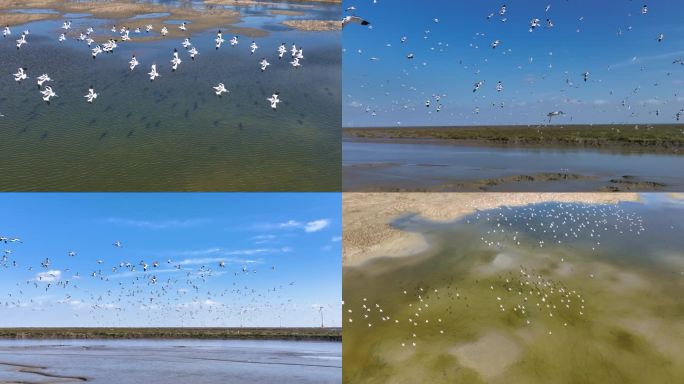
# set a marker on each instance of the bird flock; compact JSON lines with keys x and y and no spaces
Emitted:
{"x":435,"y":42}
{"x":123,"y":34}
{"x":526,"y":295}
{"x":112,"y":290}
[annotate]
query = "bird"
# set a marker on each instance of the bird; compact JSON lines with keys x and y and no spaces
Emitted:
{"x":553,"y":114}
{"x":353,"y":20}
{"x":295,"y":63}
{"x":153,"y":72}
{"x":193,"y":52}
{"x":91,"y":95}
{"x":253,"y":47}
{"x":186,"y":43}
{"x":62,"y":37}
{"x":66,"y":25}
{"x":175,"y":60}
{"x":274,"y":100}
{"x":234,"y":41}
{"x":281,"y":50}
{"x":20,"y":75}
{"x":220,"y":89}
{"x":478,"y":85}
{"x":219,"y":39}
{"x":164,"y":31}
{"x":48,"y":93}
{"x":182,"y":26}
{"x":6,"y":31}
{"x":264,"y":64}
{"x":117,"y":244}
{"x":43,"y":79}
{"x":133,"y":63}
{"x":21,"y":41}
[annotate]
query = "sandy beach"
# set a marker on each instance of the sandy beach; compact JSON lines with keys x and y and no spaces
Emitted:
{"x":367,"y":233}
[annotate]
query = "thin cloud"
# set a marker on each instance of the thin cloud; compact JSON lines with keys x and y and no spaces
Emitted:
{"x":309,"y":226}
{"x":159,"y":224}
{"x":49,"y":276}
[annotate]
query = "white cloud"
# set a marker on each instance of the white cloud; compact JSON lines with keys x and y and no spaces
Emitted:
{"x":316,"y":225}
{"x":290,"y":224}
{"x":49,"y":276}
{"x":355,"y":104}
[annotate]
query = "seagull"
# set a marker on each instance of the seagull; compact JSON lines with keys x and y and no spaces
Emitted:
{"x":253,"y":47}
{"x":220,"y":89}
{"x":153,"y":72}
{"x":264,"y":64}
{"x":48,"y":93}
{"x":176,"y":60}
{"x":219,"y":39}
{"x":274,"y":100}
{"x":353,"y":19}
{"x":133,"y":63}
{"x":20,"y":75}
{"x":193,"y":52}
{"x":43,"y":79}
{"x":91,"y":96}
{"x":281,"y":50}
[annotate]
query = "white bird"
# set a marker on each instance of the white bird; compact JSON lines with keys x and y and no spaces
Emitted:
{"x":264,"y":64}
{"x":44,"y":78}
{"x":585,"y":75}
{"x":219,"y":39}
{"x":193,"y":52}
{"x":21,"y":41}
{"x":644,"y":10}
{"x":66,"y":25}
{"x":274,"y":100}
{"x":117,"y":244}
{"x":534,"y":23}
{"x":253,"y":47}
{"x":661,"y":37}
{"x":478,"y":85}
{"x":353,"y":20}
{"x":62,"y":37}
{"x":72,"y":253}
{"x":176,"y":60}
{"x":182,"y":26}
{"x":499,"y":86}
{"x":148,"y":28}
{"x":133,"y":63}
{"x":234,"y":41}
{"x":281,"y":50}
{"x":91,"y":96}
{"x":153,"y":72}
{"x":96,"y":51}
{"x":496,"y":43}
{"x":293,"y":50}
{"x":20,"y":75}
{"x":553,"y":114}
{"x":186,"y":43}
{"x":6,"y":32}
{"x":295,"y":63}
{"x":164,"y":31}
{"x":48,"y":93}
{"x":220,"y":89}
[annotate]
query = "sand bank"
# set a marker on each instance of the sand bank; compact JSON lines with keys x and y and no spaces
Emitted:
{"x":367,"y":216}
{"x":314,"y":25}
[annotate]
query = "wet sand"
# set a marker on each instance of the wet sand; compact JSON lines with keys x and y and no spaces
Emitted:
{"x":367,"y":232}
{"x":314,"y":25}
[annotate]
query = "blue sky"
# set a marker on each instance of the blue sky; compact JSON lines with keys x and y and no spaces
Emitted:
{"x":282,"y":255}
{"x":631,"y":75}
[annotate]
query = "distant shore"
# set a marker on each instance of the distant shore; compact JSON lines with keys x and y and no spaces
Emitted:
{"x":368,"y":232}
{"x":295,"y":334}
{"x":662,"y":138}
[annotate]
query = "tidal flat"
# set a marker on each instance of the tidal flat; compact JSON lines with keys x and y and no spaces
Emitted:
{"x":546,"y":292}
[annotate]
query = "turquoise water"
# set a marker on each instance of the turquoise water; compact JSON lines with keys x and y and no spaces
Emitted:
{"x":173,"y":134}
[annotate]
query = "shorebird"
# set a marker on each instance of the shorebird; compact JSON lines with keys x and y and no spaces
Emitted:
{"x":153,"y":72}
{"x":553,"y":114}
{"x":175,"y":61}
{"x":133,"y":63}
{"x":253,"y":47}
{"x":6,"y":32}
{"x":234,"y":41}
{"x":96,"y":51}
{"x":61,"y":38}
{"x":91,"y":96}
{"x":220,"y":89}
{"x":186,"y":43}
{"x":21,"y":41}
{"x":274,"y":100}
{"x":20,"y":75}
{"x":48,"y":93}
{"x":117,"y":244}
{"x":295,"y":63}
{"x":219,"y":39}
{"x":66,"y":25}
{"x":182,"y":26}
{"x":42,"y":79}
{"x":193,"y":52}
{"x":164,"y":31}
{"x":264,"y":64}
{"x":478,"y":85}
{"x":281,"y":50}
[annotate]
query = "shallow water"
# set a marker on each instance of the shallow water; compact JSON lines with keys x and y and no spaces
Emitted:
{"x":623,"y":264}
{"x":170,"y":361}
{"x":421,"y":166}
{"x":174,"y":133}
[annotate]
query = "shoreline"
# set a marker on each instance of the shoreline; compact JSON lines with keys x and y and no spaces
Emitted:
{"x":109,"y":333}
{"x":367,"y":230}
{"x":657,"y":139}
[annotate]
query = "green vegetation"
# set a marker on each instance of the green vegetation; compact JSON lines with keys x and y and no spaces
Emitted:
{"x":668,"y":138}
{"x":321,"y":334}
